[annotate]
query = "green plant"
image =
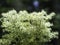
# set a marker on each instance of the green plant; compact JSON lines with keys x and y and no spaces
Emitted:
{"x":25,"y":28}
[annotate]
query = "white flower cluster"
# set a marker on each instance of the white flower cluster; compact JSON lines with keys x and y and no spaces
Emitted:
{"x":27,"y":27}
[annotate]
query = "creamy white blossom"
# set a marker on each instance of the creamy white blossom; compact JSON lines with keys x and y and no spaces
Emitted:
{"x":24,"y":28}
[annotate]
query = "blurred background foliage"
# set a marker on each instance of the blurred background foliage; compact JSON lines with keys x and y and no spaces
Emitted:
{"x":23,"y":5}
{"x":47,"y":5}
